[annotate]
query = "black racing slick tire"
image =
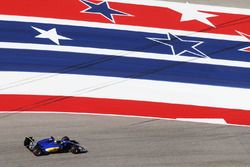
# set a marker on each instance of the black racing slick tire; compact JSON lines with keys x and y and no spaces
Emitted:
{"x":37,"y":151}
{"x":65,"y":138}
{"x":74,"y":149}
{"x":26,"y":142}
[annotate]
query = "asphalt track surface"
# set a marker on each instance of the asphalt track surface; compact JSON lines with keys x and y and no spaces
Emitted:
{"x":127,"y":142}
{"x":124,"y":142}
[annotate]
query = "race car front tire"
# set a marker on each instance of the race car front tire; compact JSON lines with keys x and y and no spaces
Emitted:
{"x":74,"y":149}
{"x":66,"y":138}
{"x":37,"y":151}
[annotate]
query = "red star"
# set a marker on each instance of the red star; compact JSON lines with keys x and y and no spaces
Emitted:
{"x":243,"y":34}
{"x":247,"y":49}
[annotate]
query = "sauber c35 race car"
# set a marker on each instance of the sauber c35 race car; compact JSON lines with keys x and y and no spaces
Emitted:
{"x":51,"y":145}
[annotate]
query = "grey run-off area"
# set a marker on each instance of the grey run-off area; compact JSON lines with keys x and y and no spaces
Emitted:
{"x":124,"y":142}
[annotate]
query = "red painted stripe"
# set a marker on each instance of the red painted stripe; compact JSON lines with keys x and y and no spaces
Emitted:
{"x":147,"y":16}
{"x":20,"y":103}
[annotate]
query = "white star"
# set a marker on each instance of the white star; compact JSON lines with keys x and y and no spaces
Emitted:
{"x":189,"y":12}
{"x":50,"y":34}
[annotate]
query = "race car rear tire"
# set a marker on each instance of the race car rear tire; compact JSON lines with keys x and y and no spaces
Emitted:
{"x":74,"y":149}
{"x":26,"y":142}
{"x":37,"y":151}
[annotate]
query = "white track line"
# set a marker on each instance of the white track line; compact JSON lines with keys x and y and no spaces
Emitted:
{"x":108,"y":115}
{"x":124,"y":53}
{"x":127,"y":89}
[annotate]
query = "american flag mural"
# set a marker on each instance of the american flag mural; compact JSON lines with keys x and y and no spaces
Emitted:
{"x":124,"y":57}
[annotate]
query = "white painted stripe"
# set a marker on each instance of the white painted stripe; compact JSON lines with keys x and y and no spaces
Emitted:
{"x":97,"y":114}
{"x":208,"y":120}
{"x":121,"y":27}
{"x":123,"y":88}
{"x":211,"y":8}
{"x":124,"y":53}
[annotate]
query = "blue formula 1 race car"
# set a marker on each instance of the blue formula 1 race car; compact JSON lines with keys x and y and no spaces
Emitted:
{"x":51,"y":145}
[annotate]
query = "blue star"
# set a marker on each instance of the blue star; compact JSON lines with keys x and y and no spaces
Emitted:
{"x":103,"y":9}
{"x":180,"y":46}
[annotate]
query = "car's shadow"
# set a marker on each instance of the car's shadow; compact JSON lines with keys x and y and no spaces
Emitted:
{"x":64,"y":152}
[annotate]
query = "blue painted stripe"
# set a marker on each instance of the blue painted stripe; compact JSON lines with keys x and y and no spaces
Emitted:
{"x":118,"y":39}
{"x":89,"y":64}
